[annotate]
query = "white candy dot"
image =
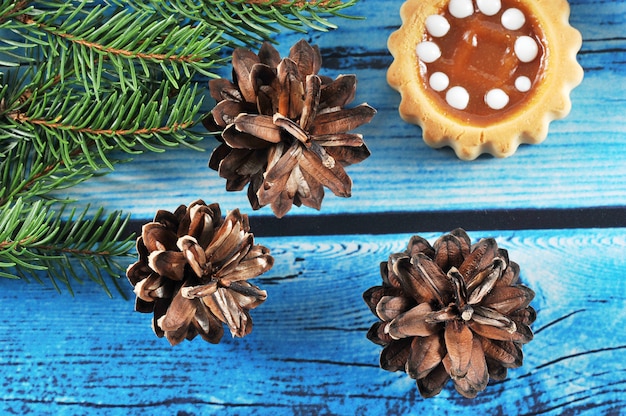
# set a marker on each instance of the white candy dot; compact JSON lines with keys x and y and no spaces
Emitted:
{"x":428,"y":51}
{"x":439,"y":81}
{"x":461,"y":8}
{"x":489,"y":7}
{"x":458,"y":98}
{"x":497,"y":99}
{"x":513,"y":19}
{"x":437,"y":25}
{"x":526,"y":49}
{"x":522,"y":84}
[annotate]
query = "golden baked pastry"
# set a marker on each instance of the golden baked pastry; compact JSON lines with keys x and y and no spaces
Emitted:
{"x":483,"y":76}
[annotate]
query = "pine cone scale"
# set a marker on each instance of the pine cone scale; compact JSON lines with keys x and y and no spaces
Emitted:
{"x":425,"y":355}
{"x":348,"y":155}
{"x":510,"y":275}
{"x":479,"y":258}
{"x":412,"y":323}
{"x":292,"y":128}
{"x":342,"y":120}
{"x":243,"y":62}
{"x":277,"y":177}
{"x":508,"y":299}
{"x":308,"y":58}
{"x":498,"y":333}
{"x":169,"y":264}
{"x":477,"y":376}
{"x":222,"y":89}
{"x":259,"y":126}
{"x":450,"y":252}
{"x":268,"y":55}
{"x":311,"y":191}
{"x":291,"y":89}
{"x":155,"y":236}
{"x":389,"y":308}
{"x":432,"y":384}
{"x":339,"y":92}
{"x":395,"y":355}
{"x":179,"y":314}
{"x":311,"y":101}
{"x":333,"y":177}
{"x":238,"y":140}
{"x":504,"y":352}
{"x":483,"y":282}
{"x":340,"y":140}
{"x":416,"y":283}
{"x":223,"y":112}
{"x":458,"y":340}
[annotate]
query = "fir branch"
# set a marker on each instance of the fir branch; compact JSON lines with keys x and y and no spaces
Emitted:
{"x":74,"y":127}
{"x":251,"y":22}
{"x":30,"y":175}
{"x":41,"y":242}
{"x":126,"y":40}
{"x":297,"y":15}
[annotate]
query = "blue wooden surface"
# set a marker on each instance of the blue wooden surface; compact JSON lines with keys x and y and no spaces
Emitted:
{"x":308,"y":353}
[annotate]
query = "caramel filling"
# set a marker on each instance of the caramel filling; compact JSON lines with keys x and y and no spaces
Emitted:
{"x":482,"y":59}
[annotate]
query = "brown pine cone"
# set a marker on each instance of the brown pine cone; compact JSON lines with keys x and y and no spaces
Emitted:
{"x":451,"y":310}
{"x":193,"y":272}
{"x":284,"y":128}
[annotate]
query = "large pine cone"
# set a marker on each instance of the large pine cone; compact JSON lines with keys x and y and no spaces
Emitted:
{"x":451,"y":310}
{"x":284,"y":128}
{"x":193,"y":272}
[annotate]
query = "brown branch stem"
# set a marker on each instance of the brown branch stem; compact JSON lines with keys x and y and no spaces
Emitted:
{"x":113,"y":51}
{"x":17,"y":7}
{"x":125,"y":53}
{"x":75,"y":251}
{"x":109,"y":132}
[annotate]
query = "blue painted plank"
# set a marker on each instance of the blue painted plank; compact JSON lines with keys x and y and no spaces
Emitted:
{"x":308,"y":353}
{"x":581,"y":164}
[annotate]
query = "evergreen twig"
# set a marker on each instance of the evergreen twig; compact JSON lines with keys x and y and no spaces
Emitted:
{"x":42,"y":241}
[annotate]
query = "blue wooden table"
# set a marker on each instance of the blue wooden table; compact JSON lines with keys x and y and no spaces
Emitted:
{"x":559,"y":208}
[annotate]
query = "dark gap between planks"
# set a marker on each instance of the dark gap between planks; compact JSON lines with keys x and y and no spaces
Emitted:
{"x":439,"y":221}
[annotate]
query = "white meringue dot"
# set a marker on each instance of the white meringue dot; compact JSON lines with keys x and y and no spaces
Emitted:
{"x":458,"y":97}
{"x":513,"y":19}
{"x":523,"y":84}
{"x":526,"y":49}
{"x":489,"y":7}
{"x":496,"y":99}
{"x":437,"y":25}
{"x":428,"y":51}
{"x":461,"y":8}
{"x":439,"y":81}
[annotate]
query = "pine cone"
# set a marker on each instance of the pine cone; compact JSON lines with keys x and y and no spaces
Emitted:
{"x":284,"y":128}
{"x":451,"y":310}
{"x":193,"y":272}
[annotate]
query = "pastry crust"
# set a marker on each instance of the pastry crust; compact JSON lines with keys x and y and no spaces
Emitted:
{"x":500,"y":137}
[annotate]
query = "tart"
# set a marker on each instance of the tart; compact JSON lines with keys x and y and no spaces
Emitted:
{"x":484,"y":76}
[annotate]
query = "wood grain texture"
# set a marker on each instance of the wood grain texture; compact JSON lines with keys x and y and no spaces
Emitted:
{"x":581,"y":164}
{"x":308,"y":353}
